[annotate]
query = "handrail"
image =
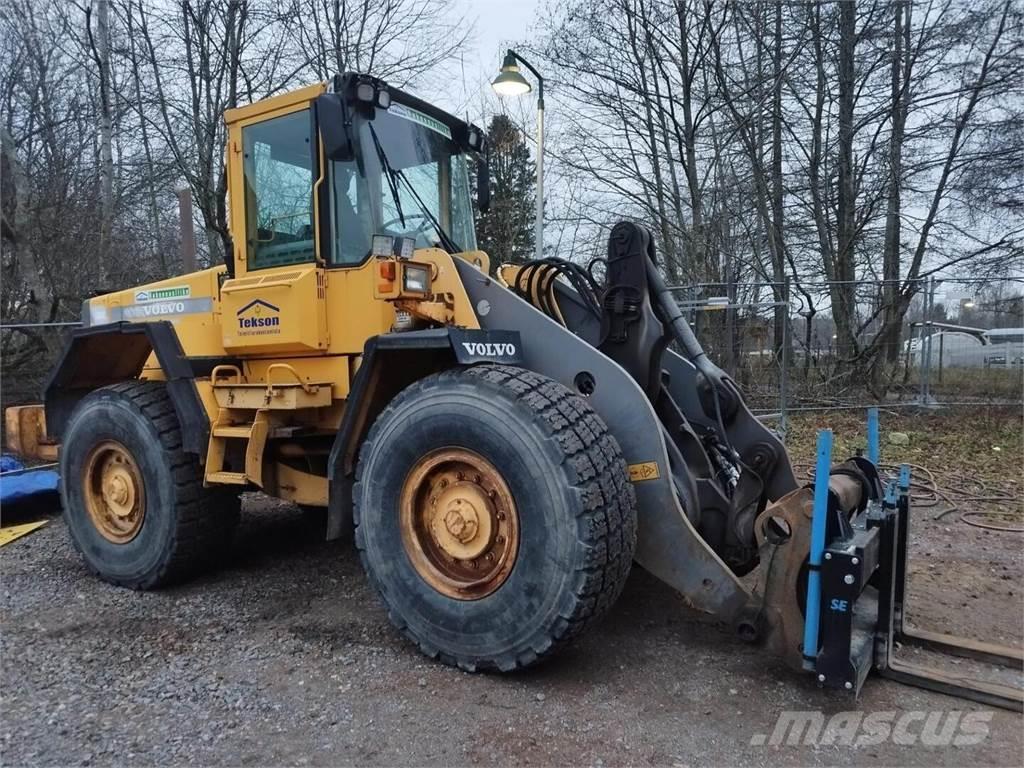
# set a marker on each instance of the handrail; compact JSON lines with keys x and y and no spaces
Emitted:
{"x":218,"y":369}
{"x":307,"y":387}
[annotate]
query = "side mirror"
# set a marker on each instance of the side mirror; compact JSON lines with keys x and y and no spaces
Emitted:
{"x":483,"y":184}
{"x":335,"y":124}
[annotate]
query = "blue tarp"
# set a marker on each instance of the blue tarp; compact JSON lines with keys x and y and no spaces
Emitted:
{"x":9,"y":464}
{"x":24,"y":484}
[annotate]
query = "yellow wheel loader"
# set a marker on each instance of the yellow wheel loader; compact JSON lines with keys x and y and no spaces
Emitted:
{"x":502,"y":445}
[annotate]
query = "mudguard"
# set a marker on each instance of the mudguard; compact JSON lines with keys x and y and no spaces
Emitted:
{"x":99,"y":355}
{"x":391,"y":362}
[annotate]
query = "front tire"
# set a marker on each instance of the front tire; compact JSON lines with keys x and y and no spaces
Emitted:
{"x":493,"y":515}
{"x":134,"y":501}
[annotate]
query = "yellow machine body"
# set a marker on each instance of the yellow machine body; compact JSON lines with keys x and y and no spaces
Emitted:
{"x":290,"y":336}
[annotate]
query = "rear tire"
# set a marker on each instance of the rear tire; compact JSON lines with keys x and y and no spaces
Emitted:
{"x":134,"y":501}
{"x":543,"y":463}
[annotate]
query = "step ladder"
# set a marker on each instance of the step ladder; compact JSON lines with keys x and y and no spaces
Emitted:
{"x":254,"y":413}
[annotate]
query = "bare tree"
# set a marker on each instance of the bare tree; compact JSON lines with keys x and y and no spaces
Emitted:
{"x":810,"y":137}
{"x":398,"y":40}
{"x":100,"y":47}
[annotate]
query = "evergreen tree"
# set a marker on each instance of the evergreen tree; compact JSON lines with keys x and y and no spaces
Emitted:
{"x":505,"y":232}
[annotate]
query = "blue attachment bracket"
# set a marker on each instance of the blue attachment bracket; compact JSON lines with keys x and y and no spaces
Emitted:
{"x":874,"y":451}
{"x":818,"y":524}
{"x":904,"y":479}
{"x":890,"y":494}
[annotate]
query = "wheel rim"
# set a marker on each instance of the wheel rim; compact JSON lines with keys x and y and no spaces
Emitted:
{"x":114,"y":494}
{"x":459,"y":523}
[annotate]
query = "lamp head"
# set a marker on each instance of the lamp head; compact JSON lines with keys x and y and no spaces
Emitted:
{"x":510,"y":81}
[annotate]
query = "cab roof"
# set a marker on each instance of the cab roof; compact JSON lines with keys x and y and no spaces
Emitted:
{"x":309,"y":93}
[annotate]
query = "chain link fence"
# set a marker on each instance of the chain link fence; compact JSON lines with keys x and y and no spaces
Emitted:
{"x":961,"y":343}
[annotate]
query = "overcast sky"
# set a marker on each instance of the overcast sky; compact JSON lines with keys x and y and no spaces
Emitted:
{"x":498,"y":23}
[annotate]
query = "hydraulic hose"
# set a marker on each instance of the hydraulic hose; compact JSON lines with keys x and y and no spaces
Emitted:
{"x":723,"y":395}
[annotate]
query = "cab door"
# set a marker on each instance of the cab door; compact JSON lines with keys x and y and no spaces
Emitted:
{"x":275,"y":303}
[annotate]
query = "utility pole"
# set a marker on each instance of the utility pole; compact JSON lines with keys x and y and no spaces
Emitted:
{"x":188,"y":232}
{"x":101,"y":53}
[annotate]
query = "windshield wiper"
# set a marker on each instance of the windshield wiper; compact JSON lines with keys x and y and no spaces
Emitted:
{"x":446,"y":240}
{"x":390,"y":173}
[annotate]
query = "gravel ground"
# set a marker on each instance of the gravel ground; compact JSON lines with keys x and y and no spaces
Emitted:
{"x":285,"y":657}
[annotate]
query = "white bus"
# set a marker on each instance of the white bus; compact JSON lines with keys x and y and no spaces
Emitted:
{"x":956,"y":346}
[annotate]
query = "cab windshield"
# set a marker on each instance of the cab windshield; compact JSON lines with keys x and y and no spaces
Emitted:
{"x":409,"y":179}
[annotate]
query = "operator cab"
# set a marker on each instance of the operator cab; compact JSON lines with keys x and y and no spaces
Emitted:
{"x":327,"y":174}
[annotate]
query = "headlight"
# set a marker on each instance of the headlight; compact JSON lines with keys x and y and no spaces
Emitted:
{"x":365,"y":92}
{"x":416,"y":279}
{"x":404,"y":246}
{"x":384,"y":246}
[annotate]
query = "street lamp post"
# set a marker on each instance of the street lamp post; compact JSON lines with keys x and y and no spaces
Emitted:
{"x":510,"y":82}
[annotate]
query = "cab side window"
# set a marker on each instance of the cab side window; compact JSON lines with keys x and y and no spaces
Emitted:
{"x":278,"y":167}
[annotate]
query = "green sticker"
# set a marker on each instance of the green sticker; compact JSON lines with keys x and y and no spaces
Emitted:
{"x":416,"y":116}
{"x":163,"y":294}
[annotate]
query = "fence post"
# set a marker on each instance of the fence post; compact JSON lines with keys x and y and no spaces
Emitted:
{"x":922,"y":338}
{"x":784,"y":373}
{"x":874,"y":452}
{"x":942,"y":341}
{"x":926,"y":344}
{"x":730,"y":317}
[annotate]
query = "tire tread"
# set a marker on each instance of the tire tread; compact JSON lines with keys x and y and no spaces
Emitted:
{"x":606,"y":523}
{"x":205,"y":517}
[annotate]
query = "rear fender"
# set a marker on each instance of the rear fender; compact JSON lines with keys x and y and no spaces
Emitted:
{"x":99,"y":355}
{"x":667,"y":543}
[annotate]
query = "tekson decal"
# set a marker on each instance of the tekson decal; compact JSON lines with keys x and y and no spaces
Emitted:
{"x":259,"y":318}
